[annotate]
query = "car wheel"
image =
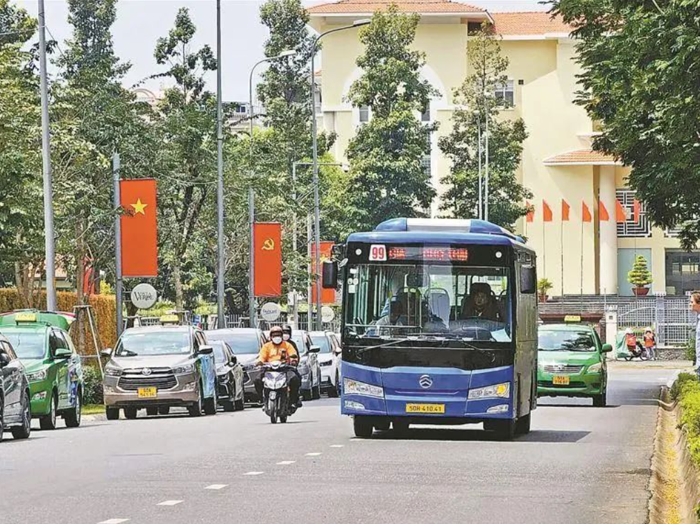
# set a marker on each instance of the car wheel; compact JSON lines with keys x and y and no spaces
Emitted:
{"x":210,"y":405}
{"x":112,"y":413}
{"x":23,"y":431}
{"x":131,"y":413}
{"x":523,"y":424}
{"x":306,"y":394}
{"x":164,"y":410}
{"x":229,"y":405}
{"x":334,"y":390}
{"x":49,"y":421}
{"x":239,"y":405}
{"x":2,"y":417}
{"x":599,"y":401}
{"x":362,"y":426}
{"x":75,"y":415}
{"x":195,"y":410}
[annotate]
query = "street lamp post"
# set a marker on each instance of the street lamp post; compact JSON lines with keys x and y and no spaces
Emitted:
{"x":314,"y":132}
{"x":251,"y":191}
{"x":220,"y":281}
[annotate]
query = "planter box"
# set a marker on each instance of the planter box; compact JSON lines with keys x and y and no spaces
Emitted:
{"x":640,"y":291}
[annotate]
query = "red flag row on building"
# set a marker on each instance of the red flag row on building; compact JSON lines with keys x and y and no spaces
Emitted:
{"x":621,"y":214}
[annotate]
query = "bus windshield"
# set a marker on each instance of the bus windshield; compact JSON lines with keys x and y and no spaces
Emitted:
{"x":415,"y":300}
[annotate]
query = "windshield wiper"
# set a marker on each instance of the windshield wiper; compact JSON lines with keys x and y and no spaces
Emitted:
{"x":393,"y":342}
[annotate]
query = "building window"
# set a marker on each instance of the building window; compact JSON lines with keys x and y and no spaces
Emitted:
{"x":364,"y":114}
{"x":682,"y":271}
{"x":636,"y":224}
{"x":425,"y":164}
{"x":425,"y":115}
{"x":318,"y":99}
{"x":505,"y":94}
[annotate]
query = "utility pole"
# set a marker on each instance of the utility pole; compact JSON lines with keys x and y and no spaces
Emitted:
{"x":46,"y":161}
{"x":221,"y":277}
{"x":116,"y":166}
{"x":486,"y":170}
{"x":480,"y":213}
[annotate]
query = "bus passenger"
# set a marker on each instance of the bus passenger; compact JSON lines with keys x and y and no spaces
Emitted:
{"x":480,"y":303}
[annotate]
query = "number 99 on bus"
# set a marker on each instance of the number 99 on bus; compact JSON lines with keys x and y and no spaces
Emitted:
{"x":377,"y":253}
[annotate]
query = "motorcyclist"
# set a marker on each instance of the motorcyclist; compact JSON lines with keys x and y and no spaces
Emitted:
{"x":278,"y":350}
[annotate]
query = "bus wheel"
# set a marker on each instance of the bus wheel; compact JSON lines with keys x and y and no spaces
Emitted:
{"x":523,"y":424}
{"x":363,"y":427}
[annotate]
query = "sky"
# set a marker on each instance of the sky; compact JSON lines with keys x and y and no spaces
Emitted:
{"x":141,"y":22}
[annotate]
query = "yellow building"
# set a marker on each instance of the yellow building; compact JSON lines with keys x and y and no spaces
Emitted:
{"x":577,"y":255}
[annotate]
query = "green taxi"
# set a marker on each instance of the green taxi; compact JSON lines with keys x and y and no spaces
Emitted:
{"x":41,"y":341}
{"x":571,"y":362}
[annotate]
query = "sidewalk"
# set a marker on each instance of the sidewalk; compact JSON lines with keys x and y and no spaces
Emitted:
{"x":682,"y":365}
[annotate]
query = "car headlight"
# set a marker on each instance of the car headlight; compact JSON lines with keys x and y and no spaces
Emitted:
{"x":495,"y":391}
{"x":595,"y":368}
{"x":37,"y":376}
{"x":353,"y":387}
{"x":113,"y":371}
{"x":185,"y":368}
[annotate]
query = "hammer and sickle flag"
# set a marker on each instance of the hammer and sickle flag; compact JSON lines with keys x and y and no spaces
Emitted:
{"x":268,"y":259}
{"x":139,"y":228}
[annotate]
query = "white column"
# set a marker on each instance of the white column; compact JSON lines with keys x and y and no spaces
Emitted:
{"x":608,"y":233}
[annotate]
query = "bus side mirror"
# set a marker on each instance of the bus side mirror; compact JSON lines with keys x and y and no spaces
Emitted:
{"x":330,"y":274}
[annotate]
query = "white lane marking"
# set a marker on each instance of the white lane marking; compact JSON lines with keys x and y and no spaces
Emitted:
{"x":170,"y":503}
{"x":313,"y":454}
{"x":216,"y":486}
{"x":286,"y":462}
{"x":113,"y":521}
{"x":254,"y":473}
{"x":337,"y":445}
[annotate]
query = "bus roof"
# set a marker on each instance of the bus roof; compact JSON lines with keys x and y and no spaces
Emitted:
{"x":439,"y":231}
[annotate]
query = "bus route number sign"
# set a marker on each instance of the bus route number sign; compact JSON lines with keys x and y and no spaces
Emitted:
{"x":377,"y":253}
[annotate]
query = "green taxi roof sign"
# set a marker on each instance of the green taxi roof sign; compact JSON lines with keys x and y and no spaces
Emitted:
{"x":25,"y":317}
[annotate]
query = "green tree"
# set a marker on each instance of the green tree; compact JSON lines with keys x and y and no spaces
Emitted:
{"x":21,"y":240}
{"x":186,"y":119}
{"x":386,"y":153}
{"x":641,"y":71}
{"x":640,"y":275}
{"x":476,"y":103}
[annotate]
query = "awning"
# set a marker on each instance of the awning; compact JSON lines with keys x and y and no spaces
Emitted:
{"x":582,"y":157}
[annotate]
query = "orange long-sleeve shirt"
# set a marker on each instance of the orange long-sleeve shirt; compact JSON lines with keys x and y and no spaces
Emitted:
{"x":272,"y":353}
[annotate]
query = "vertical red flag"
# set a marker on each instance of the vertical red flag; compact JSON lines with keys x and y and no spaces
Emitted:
{"x":586,"y":213}
{"x":603,"y":214}
{"x":636,"y":210}
{"x":620,"y":212}
{"x":327,"y":295}
{"x":530,"y":217}
{"x":268,"y":259}
{"x":546,"y":212}
{"x":565,"y":209}
{"x":139,"y":228}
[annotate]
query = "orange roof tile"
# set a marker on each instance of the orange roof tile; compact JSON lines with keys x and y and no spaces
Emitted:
{"x":581,"y":157}
{"x":529,"y":23}
{"x":409,"y":6}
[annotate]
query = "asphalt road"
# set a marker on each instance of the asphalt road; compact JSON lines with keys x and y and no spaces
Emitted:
{"x":579,"y":464}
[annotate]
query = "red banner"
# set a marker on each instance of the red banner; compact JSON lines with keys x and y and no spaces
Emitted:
{"x":139,"y":228}
{"x":586,"y":213}
{"x":565,"y":210}
{"x":530,"y":217}
{"x":268,"y":259}
{"x":547,"y":214}
{"x":327,"y":295}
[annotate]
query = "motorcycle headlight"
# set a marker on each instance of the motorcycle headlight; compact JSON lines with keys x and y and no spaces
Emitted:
{"x":495,"y":391}
{"x":37,"y":376}
{"x":113,"y":371}
{"x":185,"y":368}
{"x":353,"y":387}
{"x":595,"y":368}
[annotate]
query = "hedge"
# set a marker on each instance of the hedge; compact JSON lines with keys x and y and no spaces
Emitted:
{"x":104,"y":310}
{"x":686,"y":390}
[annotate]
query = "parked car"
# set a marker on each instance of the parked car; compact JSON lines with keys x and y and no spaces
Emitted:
{"x":571,"y":362}
{"x":337,"y":363}
{"x":54,"y":370}
{"x":309,"y":368}
{"x":327,"y":360}
{"x":246,"y":344}
{"x":229,"y":377}
{"x":159,"y":367}
{"x":15,"y":410}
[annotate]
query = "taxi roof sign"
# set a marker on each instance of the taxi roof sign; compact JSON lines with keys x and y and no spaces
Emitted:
{"x":25,"y":316}
{"x":572,"y":318}
{"x":61,"y":320}
{"x":169,"y":319}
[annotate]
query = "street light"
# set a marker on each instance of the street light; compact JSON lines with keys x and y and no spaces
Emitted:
{"x":251,"y":191}
{"x":220,"y":288}
{"x":314,"y":131}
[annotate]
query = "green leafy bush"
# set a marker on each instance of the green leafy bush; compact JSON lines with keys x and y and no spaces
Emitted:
{"x":93,"y":386}
{"x":687,"y":390}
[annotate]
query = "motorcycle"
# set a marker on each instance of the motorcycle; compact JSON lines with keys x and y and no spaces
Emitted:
{"x":276,"y":392}
{"x":639,"y":351}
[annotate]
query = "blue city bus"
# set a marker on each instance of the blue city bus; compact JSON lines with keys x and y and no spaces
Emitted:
{"x":439,"y":326}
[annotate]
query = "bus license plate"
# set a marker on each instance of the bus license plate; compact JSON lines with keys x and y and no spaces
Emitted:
{"x":560,"y":380}
{"x":425,"y":408}
{"x":147,"y":392}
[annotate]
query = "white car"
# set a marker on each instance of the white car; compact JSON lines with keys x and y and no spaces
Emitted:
{"x":328,"y":360}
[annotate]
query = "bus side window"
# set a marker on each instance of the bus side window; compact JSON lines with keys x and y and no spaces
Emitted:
{"x":528,"y":280}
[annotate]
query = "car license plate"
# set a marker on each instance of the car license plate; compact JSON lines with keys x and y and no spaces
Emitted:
{"x":425,"y":408}
{"x":560,"y":380}
{"x":147,"y":392}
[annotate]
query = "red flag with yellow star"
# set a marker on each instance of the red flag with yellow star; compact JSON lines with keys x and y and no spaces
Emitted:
{"x":139,"y":228}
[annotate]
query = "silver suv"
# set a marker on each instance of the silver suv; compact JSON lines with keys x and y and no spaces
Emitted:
{"x":157,"y":368}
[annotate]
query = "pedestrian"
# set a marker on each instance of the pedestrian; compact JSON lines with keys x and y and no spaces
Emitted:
{"x":650,"y":343}
{"x":695,"y":308}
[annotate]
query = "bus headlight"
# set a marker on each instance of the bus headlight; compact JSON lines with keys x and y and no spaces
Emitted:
{"x":353,"y":387}
{"x":495,"y":391}
{"x":595,"y":368}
